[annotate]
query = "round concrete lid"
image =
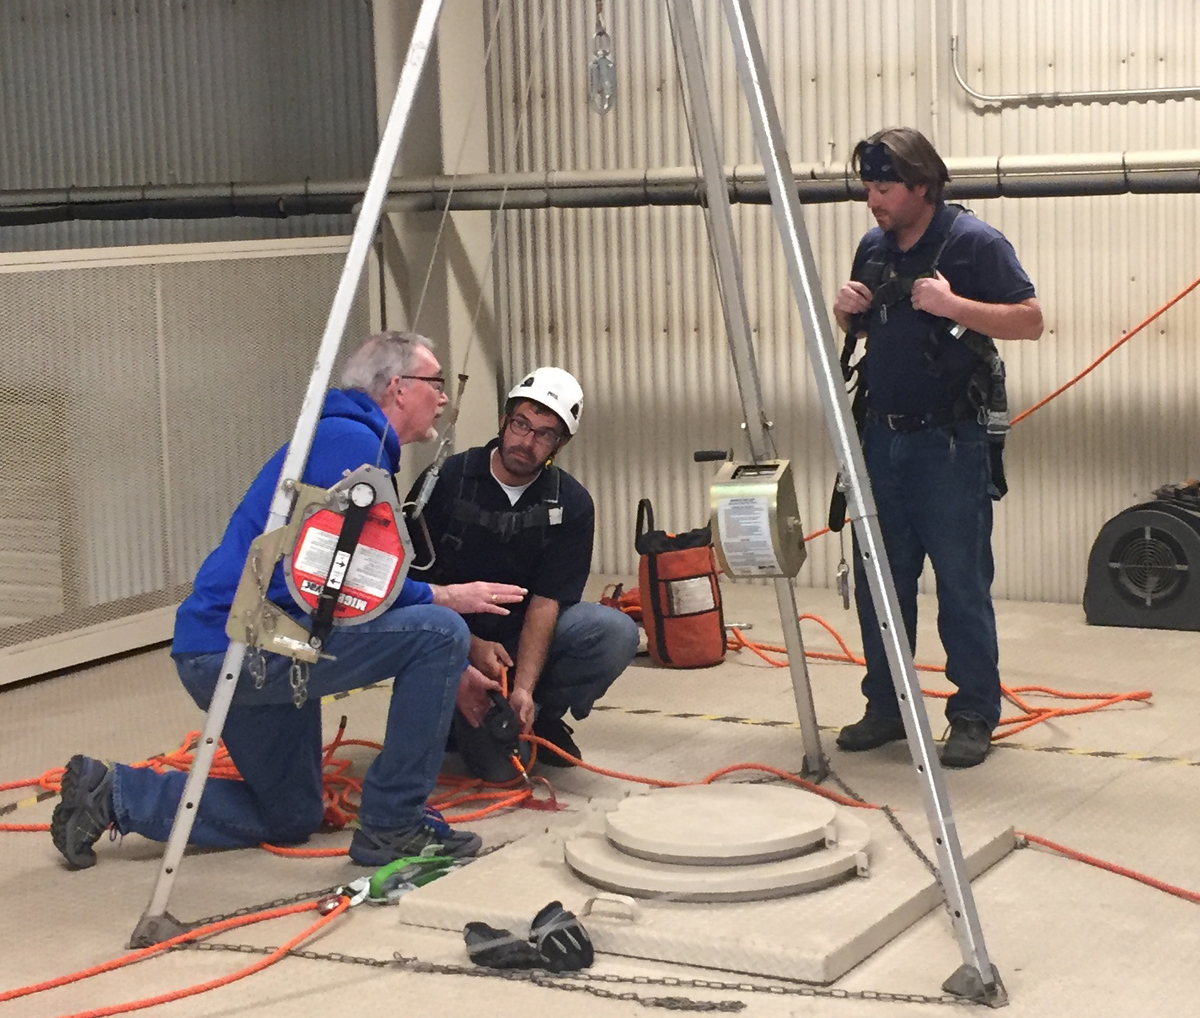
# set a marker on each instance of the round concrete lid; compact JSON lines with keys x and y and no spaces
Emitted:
{"x":721,"y":824}
{"x":601,"y":863}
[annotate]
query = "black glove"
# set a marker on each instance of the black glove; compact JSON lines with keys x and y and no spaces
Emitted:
{"x":499,"y":949}
{"x":562,"y":943}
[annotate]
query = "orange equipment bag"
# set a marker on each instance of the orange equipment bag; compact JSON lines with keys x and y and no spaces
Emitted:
{"x":680,"y":597}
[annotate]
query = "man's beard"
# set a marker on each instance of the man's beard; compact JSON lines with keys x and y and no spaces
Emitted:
{"x":525,"y":467}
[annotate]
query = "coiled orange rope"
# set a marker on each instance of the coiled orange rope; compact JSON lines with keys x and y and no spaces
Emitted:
{"x":1032,"y":715}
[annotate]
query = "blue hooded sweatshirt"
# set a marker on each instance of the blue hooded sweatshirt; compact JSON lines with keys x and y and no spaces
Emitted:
{"x":352,"y":431}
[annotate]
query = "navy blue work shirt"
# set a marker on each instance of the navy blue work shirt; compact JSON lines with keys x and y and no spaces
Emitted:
{"x":980,"y":264}
{"x":552,"y":561}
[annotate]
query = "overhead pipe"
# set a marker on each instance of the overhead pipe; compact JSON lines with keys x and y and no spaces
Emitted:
{"x":1169,"y":172}
{"x":1107,"y":95}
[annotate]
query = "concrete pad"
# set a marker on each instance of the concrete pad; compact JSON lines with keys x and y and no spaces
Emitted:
{"x":815,"y":937}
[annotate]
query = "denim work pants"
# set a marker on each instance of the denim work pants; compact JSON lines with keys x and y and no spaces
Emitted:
{"x":277,"y":746}
{"x":591,"y":646}
{"x":930,"y":489}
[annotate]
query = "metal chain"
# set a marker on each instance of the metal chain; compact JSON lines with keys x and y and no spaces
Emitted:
{"x":256,"y":663}
{"x":267,"y":906}
{"x":905,"y":837}
{"x":590,"y":982}
{"x":295,"y":899}
{"x":891,"y":817}
{"x":298,"y":676}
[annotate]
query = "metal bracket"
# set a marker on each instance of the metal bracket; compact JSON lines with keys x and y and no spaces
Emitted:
{"x":154,"y":929}
{"x":967,"y":983}
{"x":255,"y":621}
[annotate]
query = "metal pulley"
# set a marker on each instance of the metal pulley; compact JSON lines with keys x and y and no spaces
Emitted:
{"x":756,"y":526}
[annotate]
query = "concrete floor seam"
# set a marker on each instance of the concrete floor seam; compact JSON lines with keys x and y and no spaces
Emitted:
{"x":1102,"y":754}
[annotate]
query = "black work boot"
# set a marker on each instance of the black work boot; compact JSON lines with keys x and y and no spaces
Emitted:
{"x":84,"y":812}
{"x":873,"y":731}
{"x":969,"y":742}
{"x":558,"y":733}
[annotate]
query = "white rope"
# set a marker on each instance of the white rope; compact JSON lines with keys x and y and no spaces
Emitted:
{"x":503,"y":197}
{"x":437,"y":240}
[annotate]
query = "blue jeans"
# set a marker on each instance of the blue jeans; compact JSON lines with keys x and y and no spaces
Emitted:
{"x":931,"y":490}
{"x":591,"y":646}
{"x":277,"y":747}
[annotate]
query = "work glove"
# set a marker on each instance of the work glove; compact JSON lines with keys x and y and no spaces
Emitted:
{"x":562,"y":943}
{"x":499,"y":949}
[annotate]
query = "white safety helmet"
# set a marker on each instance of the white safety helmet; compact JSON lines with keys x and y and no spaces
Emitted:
{"x":556,"y":390}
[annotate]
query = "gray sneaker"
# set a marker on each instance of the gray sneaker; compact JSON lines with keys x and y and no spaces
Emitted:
{"x":372,"y":846}
{"x":84,"y":811}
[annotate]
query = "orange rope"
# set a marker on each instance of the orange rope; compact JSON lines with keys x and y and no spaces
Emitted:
{"x":1007,"y":726}
{"x":202,"y":931}
{"x":26,"y":783}
{"x":1091,"y":860}
{"x":1110,"y":351}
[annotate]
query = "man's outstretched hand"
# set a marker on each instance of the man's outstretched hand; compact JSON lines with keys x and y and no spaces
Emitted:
{"x":479,"y":597}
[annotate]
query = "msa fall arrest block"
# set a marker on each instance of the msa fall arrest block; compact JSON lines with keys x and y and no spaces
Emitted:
{"x":986,"y":394}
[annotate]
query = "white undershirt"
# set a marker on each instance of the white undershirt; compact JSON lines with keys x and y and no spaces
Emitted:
{"x":514,"y":492}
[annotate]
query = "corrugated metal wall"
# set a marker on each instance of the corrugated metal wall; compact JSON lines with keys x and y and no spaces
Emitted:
{"x":625,"y":297}
{"x":123,"y":92}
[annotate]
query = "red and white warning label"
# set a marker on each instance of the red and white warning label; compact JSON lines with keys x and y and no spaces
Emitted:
{"x":366,"y":578}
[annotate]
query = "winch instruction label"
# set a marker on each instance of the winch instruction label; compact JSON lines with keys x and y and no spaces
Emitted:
{"x":744,"y":526}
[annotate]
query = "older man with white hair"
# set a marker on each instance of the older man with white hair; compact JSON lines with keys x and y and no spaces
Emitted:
{"x":392,"y":394}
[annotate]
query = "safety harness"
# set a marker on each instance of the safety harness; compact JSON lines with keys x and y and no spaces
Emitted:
{"x":465,"y":511}
{"x":985,"y":396}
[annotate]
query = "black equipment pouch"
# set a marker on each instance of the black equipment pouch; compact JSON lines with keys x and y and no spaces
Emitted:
{"x":856,"y":378}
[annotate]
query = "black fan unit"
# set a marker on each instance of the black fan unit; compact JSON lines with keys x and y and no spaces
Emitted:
{"x":1144,"y":569}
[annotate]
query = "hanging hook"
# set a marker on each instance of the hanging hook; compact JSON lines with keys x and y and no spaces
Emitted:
{"x":602,"y":73}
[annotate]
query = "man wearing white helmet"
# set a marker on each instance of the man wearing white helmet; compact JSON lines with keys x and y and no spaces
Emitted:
{"x":505,"y":512}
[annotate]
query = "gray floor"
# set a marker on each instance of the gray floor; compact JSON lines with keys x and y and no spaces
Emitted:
{"x":1067,"y":938}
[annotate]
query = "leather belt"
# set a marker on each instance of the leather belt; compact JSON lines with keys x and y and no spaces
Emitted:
{"x":915,"y":422}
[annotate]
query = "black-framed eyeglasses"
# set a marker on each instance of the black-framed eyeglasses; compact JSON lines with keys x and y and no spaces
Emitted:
{"x":521,"y":428}
{"x":437,"y":381}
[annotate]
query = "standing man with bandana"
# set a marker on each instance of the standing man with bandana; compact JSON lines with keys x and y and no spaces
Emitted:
{"x":929,"y":288}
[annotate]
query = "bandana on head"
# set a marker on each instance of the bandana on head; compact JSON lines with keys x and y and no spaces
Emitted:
{"x":875,"y":163}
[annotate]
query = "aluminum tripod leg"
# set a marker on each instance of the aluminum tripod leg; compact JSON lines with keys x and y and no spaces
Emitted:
{"x":732,"y":293}
{"x":977,"y":977}
{"x":156,"y":925}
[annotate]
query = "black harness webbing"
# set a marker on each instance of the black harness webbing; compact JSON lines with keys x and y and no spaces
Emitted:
{"x":465,"y":511}
{"x":352,"y":526}
{"x":985,"y":396}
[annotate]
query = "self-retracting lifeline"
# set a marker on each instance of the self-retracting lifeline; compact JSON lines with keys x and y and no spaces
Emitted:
{"x":345,"y":554}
